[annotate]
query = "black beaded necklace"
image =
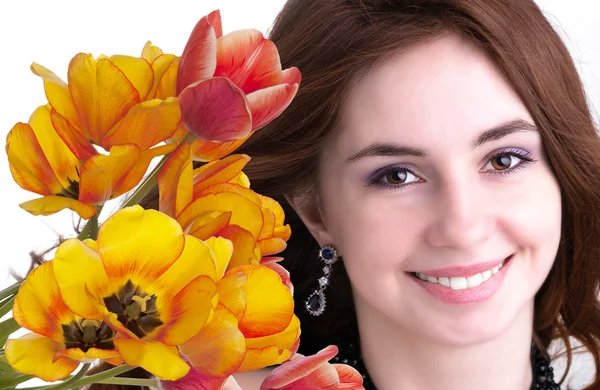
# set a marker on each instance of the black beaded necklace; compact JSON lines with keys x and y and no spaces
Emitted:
{"x":543,"y":373}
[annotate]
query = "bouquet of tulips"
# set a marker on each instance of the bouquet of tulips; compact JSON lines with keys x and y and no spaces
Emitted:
{"x":190,"y":292}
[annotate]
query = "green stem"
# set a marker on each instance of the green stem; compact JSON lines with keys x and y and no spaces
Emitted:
{"x":147,"y":184}
{"x":130,"y":382}
{"x":85,"y":232}
{"x":10,"y":291}
{"x":94,"y":223}
{"x":88,"y":380}
{"x":7,"y":306}
{"x":70,"y":383}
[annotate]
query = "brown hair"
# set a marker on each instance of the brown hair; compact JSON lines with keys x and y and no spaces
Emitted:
{"x":333,"y":42}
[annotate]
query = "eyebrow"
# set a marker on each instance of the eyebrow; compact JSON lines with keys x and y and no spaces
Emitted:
{"x":493,"y":134}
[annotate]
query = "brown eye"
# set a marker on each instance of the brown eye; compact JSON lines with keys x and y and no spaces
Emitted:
{"x":396,"y":177}
{"x":502,"y":162}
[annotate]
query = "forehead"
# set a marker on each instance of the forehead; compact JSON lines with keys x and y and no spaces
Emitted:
{"x":444,"y":91}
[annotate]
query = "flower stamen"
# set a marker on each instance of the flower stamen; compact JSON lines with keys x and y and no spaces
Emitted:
{"x":85,"y":334}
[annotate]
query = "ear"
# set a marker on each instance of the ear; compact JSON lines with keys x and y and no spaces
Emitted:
{"x":309,"y":210}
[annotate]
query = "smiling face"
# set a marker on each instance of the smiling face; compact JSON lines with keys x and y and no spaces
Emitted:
{"x":439,"y":170}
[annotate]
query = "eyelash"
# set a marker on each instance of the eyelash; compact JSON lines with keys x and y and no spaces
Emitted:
{"x":523,"y":155}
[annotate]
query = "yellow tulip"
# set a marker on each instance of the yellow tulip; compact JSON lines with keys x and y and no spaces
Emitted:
{"x":152,"y":284}
{"x":215,"y":201}
{"x":61,"y":340}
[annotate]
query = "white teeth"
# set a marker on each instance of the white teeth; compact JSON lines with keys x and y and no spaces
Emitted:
{"x":458,"y":283}
{"x":461,"y":283}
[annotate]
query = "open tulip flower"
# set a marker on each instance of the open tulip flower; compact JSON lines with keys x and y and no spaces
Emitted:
{"x":230,"y":86}
{"x":153,"y":285}
{"x":215,"y":201}
{"x":105,"y":104}
{"x":313,"y":372}
{"x":61,"y":340}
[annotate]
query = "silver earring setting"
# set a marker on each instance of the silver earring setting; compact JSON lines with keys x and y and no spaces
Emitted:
{"x":316,"y":302}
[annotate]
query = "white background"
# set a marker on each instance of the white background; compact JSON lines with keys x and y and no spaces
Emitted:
{"x":52,"y":32}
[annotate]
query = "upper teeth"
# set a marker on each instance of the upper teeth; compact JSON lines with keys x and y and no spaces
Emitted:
{"x":461,"y":283}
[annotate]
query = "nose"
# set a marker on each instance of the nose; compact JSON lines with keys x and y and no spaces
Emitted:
{"x":463,"y":215}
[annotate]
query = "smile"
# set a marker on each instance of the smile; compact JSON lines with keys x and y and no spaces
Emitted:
{"x":463,"y":282}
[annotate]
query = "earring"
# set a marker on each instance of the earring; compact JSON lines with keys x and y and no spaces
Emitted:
{"x":315,"y":304}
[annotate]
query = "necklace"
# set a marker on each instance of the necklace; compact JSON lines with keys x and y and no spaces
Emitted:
{"x":543,"y":373}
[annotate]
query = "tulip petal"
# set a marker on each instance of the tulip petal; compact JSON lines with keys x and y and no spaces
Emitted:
{"x":214,"y":19}
{"x":208,"y":224}
{"x":199,"y":58}
{"x":219,"y":348}
{"x":146,"y":124}
{"x":349,"y":378}
{"x":220,"y":171}
{"x":244,"y":212}
{"x":33,"y":354}
{"x":102,"y":175}
{"x":231,"y":294}
{"x":138,"y":71}
{"x":195,"y":260}
{"x":39,"y":306}
{"x":271,"y":246}
{"x":151,"y":52}
{"x":268,"y":224}
{"x":257,"y":359}
{"x":215,"y":110}
{"x":75,"y":141}
{"x":209,"y":151}
{"x":82,"y":278}
{"x":160,"y":360}
{"x":291,"y":76}
{"x":101,"y":92}
{"x":310,"y":372}
{"x":249,"y":60}
{"x":28,"y":164}
{"x":245,"y":250}
{"x":195,"y":381}
{"x":267,"y":104}
{"x":270,"y":304}
{"x":283,"y":273}
{"x":222,"y":250}
{"x":58,"y":94}
{"x":63,"y":162}
{"x":91,"y":354}
{"x":166,"y":68}
{"x":175,"y":181}
{"x":230,"y":187}
{"x":136,"y":174}
{"x":187,"y":312}
{"x":49,"y":205}
{"x":284,"y":340}
{"x":154,"y":242}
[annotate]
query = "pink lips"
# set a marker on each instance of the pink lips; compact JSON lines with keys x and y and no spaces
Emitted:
{"x":463,"y":271}
{"x":469,"y":295}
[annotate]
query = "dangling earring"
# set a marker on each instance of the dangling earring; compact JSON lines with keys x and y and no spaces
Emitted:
{"x":315,"y":304}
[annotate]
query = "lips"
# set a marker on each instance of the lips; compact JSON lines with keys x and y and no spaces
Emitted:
{"x":463,"y":271}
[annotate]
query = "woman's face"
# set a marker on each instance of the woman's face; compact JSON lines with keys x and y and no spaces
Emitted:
{"x":439,"y":170}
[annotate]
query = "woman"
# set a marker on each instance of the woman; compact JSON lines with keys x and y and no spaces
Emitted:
{"x":445,"y":140}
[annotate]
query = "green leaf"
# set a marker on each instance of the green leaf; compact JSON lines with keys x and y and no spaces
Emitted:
{"x":9,"y":378}
{"x":7,"y":328}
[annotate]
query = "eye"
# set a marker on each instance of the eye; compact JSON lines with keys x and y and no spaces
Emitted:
{"x":506,"y":161}
{"x":393,"y":177}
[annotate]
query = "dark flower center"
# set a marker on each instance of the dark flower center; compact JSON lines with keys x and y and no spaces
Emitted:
{"x":135,"y":309}
{"x":85,"y":334}
{"x":72,"y":191}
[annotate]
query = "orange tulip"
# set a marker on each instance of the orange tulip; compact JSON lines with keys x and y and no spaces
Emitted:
{"x":313,"y":372}
{"x":215,"y":201}
{"x":61,"y":340}
{"x":230,"y":86}
{"x":108,"y":102}
{"x":41,"y":162}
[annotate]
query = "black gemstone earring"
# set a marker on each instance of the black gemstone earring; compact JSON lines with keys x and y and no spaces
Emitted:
{"x":315,"y":304}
